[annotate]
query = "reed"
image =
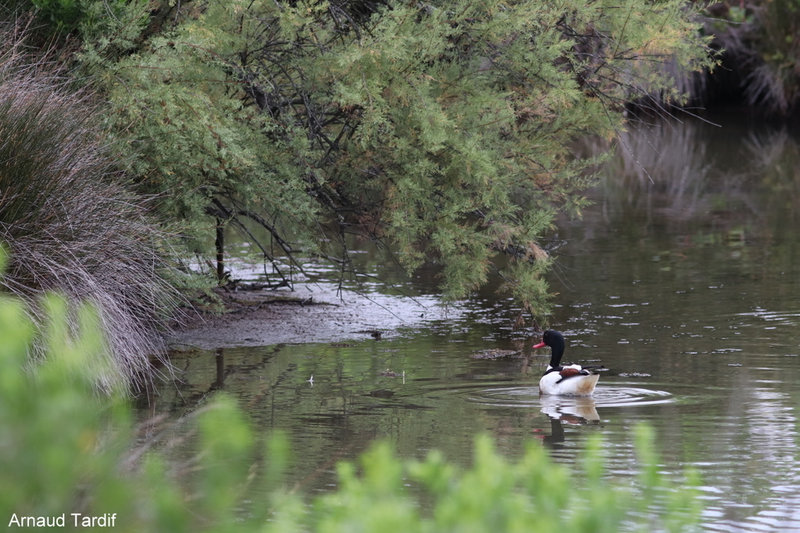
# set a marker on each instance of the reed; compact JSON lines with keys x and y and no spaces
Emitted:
{"x":67,"y":220}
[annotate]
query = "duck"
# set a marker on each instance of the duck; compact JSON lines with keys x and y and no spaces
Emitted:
{"x":570,"y":380}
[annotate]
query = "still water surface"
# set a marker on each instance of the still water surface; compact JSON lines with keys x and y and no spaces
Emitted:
{"x":683,"y":279}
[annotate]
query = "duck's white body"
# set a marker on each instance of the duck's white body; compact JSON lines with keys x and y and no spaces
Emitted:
{"x":570,"y":380}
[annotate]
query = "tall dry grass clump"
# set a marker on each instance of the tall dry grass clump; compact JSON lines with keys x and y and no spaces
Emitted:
{"x":68,"y":223}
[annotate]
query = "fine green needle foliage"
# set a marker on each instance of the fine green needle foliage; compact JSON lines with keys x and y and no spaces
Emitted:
{"x":210,"y":156}
{"x":442,"y":130}
{"x":68,"y":453}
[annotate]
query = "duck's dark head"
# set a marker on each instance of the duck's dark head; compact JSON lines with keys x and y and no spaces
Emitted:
{"x":555,"y":340}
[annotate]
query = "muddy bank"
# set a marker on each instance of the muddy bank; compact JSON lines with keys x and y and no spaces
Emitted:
{"x":313,"y":312}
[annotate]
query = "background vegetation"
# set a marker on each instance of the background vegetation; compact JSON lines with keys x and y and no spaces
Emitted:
{"x":441,"y":130}
{"x":761,"y":44}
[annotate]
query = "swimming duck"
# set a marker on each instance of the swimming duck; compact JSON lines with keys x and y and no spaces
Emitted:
{"x":570,"y":380}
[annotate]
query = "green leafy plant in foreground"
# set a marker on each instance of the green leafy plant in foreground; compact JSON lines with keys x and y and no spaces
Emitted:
{"x":67,"y":453}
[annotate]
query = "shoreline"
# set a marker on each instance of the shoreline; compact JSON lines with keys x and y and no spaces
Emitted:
{"x":311,"y":313}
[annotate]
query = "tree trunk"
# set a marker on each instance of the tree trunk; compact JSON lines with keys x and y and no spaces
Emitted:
{"x":220,"y":244}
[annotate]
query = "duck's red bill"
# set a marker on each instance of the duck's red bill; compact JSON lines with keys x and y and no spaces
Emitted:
{"x":540,"y":345}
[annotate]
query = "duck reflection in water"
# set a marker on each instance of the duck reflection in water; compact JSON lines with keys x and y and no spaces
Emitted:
{"x":573,"y":410}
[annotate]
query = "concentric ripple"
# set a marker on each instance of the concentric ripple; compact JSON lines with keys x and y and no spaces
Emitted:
{"x":630,"y":397}
{"x":604,"y":396}
{"x":506,"y":396}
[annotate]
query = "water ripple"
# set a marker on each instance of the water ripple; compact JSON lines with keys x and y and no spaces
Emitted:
{"x":604,"y":396}
{"x":630,"y":397}
{"x":783,"y":318}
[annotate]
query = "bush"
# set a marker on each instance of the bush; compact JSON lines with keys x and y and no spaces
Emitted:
{"x":761,"y":50}
{"x":443,"y":131}
{"x":64,"y":450}
{"x":67,"y":220}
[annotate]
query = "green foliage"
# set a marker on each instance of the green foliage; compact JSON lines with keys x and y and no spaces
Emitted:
{"x":72,"y":450}
{"x":494,"y":494}
{"x":60,"y":18}
{"x":443,"y":130}
{"x":61,"y":434}
{"x":64,"y":15}
{"x":64,"y":449}
{"x":184,"y":118}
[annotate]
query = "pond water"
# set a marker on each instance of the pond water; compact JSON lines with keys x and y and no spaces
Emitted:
{"x":683,"y":279}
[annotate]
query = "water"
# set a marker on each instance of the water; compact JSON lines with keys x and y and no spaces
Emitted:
{"x":682,"y":279}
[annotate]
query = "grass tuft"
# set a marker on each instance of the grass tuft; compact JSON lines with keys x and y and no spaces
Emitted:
{"x":68,"y":222}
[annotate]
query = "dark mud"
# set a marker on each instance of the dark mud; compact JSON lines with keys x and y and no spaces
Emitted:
{"x":313,"y":312}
